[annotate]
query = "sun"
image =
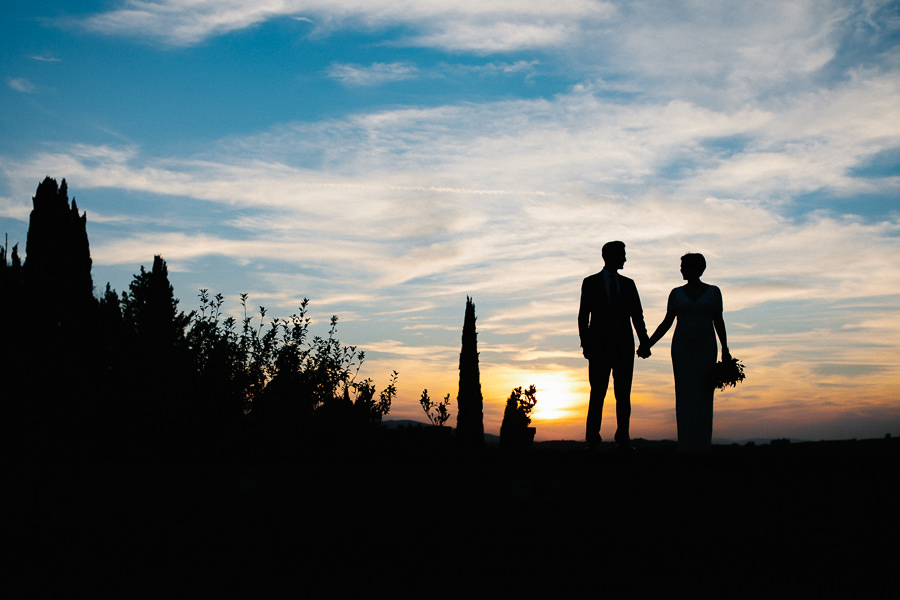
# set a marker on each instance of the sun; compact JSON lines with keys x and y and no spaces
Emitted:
{"x":561,"y":394}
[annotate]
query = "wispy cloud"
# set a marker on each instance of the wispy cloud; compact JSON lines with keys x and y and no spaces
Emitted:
{"x":415,"y":181}
{"x":20,"y":84}
{"x":371,"y":75}
{"x":494,"y":25}
{"x":380,"y":73}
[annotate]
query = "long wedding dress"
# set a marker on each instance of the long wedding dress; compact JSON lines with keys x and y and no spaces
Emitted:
{"x":694,"y":351}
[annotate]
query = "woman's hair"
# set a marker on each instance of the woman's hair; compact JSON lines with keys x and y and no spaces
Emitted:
{"x":694,"y":262}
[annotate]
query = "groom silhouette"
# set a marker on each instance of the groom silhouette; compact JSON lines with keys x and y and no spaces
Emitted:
{"x":610,"y":305}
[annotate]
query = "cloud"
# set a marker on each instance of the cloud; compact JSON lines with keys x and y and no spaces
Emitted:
{"x":374,"y":74}
{"x":528,"y":67}
{"x":511,"y":197}
{"x":381,"y":73}
{"x":21,"y":84}
{"x":492,"y":25}
{"x":752,"y":133}
{"x":496,"y":36}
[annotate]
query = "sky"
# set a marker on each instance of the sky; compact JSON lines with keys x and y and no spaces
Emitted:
{"x":388,"y":159}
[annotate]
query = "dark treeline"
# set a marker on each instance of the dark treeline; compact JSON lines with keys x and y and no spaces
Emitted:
{"x":133,"y":372}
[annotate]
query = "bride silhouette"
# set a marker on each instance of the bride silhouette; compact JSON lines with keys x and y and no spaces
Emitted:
{"x":698,"y":308}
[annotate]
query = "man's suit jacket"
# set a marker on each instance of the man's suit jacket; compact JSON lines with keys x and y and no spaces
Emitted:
{"x":604,"y":327}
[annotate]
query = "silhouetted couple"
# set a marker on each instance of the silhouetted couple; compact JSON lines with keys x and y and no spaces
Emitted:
{"x":610,"y":307}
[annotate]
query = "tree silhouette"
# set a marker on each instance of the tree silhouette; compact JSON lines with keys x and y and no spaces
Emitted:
{"x":158,"y":376}
{"x":57,"y":267}
{"x":134,"y":373}
{"x":13,"y":359}
{"x":10,"y":269}
{"x":151,"y":308}
{"x":50,"y":310}
{"x":11,"y":290}
{"x":470,"y":417}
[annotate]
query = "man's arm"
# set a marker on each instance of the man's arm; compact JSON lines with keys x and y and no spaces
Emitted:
{"x":637,"y":318}
{"x":584,"y":314}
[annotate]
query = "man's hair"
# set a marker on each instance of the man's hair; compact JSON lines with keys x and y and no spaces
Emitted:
{"x":610,"y":248}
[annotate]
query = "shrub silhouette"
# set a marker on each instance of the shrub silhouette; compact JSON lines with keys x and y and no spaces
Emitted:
{"x":438,"y":413}
{"x":287,"y":384}
{"x":517,"y":417}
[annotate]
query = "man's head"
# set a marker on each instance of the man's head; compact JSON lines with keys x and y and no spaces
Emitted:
{"x":613,"y":255}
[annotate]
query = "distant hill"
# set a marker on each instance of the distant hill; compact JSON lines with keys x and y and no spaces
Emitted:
{"x":396,"y":423}
{"x":489,"y":438}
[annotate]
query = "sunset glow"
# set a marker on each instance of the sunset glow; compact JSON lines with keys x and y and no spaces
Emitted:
{"x":388,"y":159}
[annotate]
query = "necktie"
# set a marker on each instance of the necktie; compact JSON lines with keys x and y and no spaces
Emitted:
{"x":613,"y":288}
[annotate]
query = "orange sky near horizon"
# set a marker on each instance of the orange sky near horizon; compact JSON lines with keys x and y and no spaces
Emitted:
{"x":740,"y":413}
{"x":771,"y":403}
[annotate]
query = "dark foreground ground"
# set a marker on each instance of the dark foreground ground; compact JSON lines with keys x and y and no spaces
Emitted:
{"x":421,"y":517}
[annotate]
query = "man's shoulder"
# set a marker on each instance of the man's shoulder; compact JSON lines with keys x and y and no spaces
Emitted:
{"x":628,"y":283}
{"x":593,"y":278}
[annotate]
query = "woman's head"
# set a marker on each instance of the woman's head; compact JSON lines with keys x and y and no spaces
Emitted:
{"x":692,"y":265}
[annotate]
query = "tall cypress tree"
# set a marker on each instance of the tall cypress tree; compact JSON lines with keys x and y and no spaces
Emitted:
{"x":56,"y":373}
{"x":57,"y":267}
{"x":470,"y":415}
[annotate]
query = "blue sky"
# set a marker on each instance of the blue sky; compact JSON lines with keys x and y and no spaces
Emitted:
{"x":388,"y":158}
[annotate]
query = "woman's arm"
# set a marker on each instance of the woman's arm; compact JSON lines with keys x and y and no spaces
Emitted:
{"x":644,"y":350}
{"x":662,"y":329}
{"x":719,"y":324}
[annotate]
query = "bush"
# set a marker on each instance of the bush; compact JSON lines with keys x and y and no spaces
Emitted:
{"x":517,"y":417}
{"x":438,"y":413}
{"x":273,"y":373}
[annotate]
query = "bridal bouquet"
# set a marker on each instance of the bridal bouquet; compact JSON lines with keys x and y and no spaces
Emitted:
{"x":727,"y":373}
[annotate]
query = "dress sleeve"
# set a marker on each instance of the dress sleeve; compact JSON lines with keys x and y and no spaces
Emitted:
{"x":672,"y":304}
{"x":717,"y":299}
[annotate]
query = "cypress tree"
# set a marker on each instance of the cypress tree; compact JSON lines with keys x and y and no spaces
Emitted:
{"x":470,"y":416}
{"x":57,"y":267}
{"x":56,"y":373}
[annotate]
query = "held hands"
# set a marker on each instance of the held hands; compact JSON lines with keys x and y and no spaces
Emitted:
{"x":644,"y":351}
